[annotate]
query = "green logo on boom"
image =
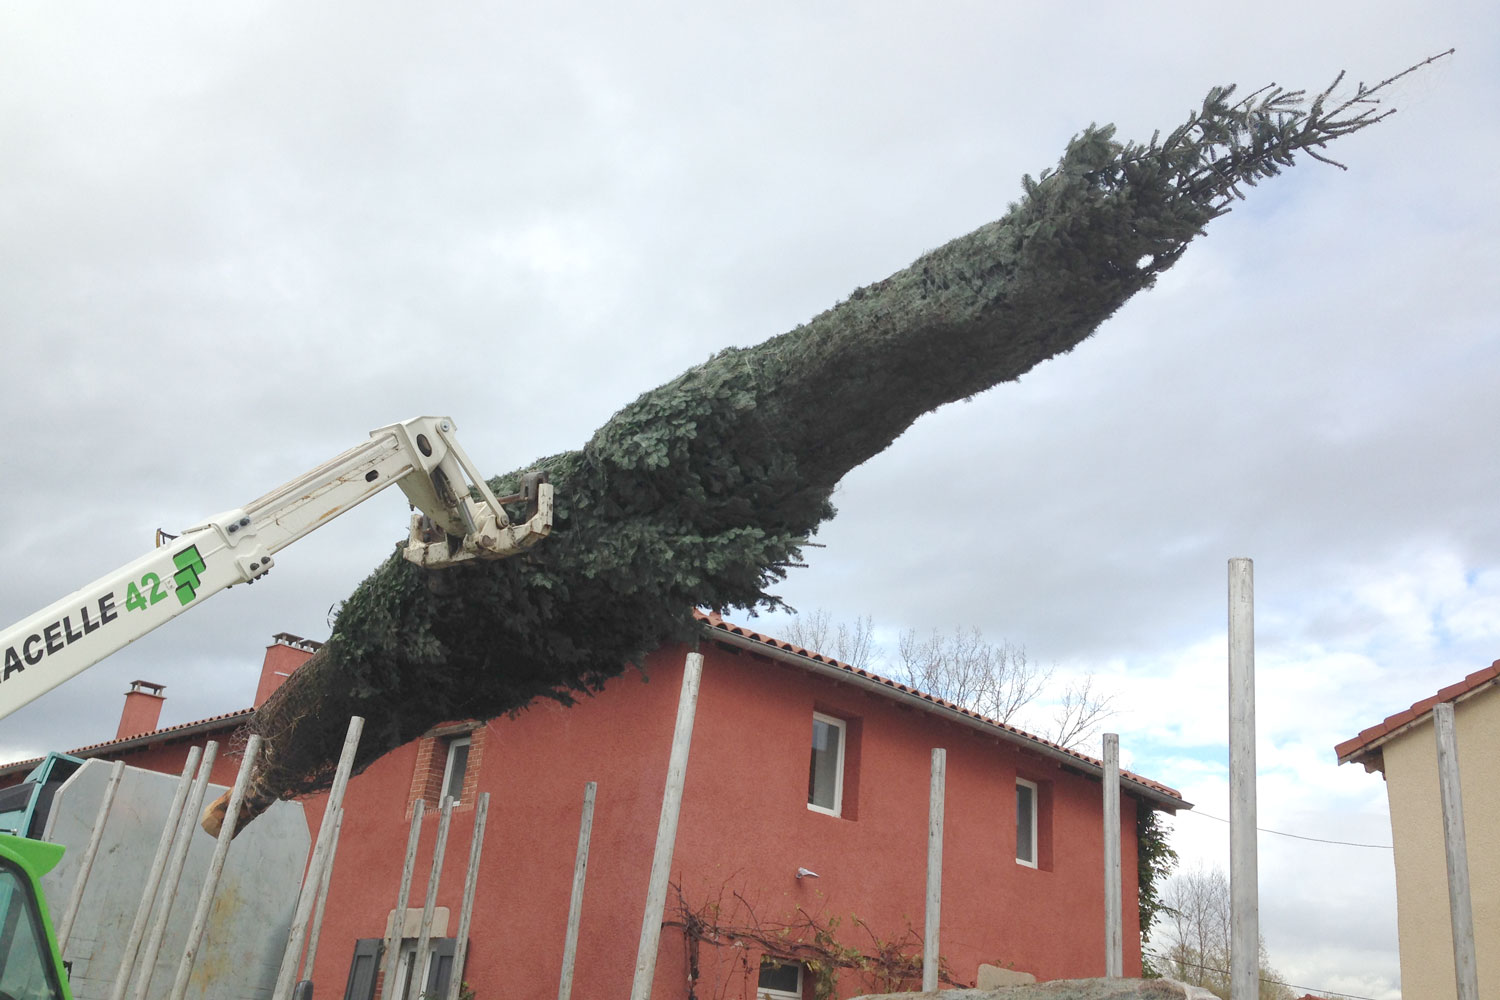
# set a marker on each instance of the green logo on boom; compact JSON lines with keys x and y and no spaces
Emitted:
{"x":189,"y":564}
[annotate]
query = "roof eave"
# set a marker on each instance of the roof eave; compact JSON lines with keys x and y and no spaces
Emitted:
{"x":152,"y":738}
{"x":1370,"y":751}
{"x":1130,"y":784}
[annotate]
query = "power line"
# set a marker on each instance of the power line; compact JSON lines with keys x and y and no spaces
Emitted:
{"x":1273,"y":982}
{"x":1295,"y":836}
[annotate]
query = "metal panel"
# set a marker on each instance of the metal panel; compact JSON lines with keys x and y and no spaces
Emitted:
{"x":242,"y":948}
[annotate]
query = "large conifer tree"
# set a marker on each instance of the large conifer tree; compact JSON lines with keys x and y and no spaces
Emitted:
{"x":701,"y":492}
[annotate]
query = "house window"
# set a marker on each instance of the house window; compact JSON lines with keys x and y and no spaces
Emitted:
{"x":454,"y":770}
{"x":1026,"y":809}
{"x":448,"y":765}
{"x":437,"y":971}
{"x":825,"y":769}
{"x":779,"y":980}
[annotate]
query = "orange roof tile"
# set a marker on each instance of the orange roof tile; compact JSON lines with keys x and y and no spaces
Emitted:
{"x":224,"y":721}
{"x":716,"y":621}
{"x":1369,"y":739}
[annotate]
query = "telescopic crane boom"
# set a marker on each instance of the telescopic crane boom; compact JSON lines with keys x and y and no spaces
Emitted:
{"x":421,"y":455}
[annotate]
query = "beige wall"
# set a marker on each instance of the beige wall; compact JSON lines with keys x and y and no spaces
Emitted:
{"x":1417,"y":829}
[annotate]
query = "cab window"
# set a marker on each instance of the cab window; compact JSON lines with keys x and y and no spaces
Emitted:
{"x":26,"y":967}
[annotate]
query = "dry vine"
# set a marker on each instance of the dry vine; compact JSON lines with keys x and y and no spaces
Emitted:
{"x":883,"y":965}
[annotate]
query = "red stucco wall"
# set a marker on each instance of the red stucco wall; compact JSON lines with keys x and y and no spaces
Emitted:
{"x":745,"y":829}
{"x":169,"y":757}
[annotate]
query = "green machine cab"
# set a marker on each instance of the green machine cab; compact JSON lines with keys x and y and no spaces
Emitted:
{"x":30,"y":963}
{"x":24,"y":808}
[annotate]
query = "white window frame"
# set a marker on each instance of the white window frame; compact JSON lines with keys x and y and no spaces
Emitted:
{"x":455,"y":742}
{"x":838,"y":770}
{"x":1035,"y":806}
{"x":766,"y":993}
{"x":411,"y":988}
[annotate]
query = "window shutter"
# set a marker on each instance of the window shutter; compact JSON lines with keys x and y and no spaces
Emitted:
{"x":363,"y":969}
{"x":440,"y":967}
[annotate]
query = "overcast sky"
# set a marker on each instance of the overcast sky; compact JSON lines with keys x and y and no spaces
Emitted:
{"x":233,"y":239}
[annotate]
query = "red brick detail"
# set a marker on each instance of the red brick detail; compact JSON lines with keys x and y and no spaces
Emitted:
{"x":432,"y":761}
{"x":423,"y":782}
{"x":477,"y":741}
{"x":282,"y":658}
{"x":141,"y":714}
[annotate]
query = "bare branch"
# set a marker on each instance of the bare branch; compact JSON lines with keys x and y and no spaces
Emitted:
{"x":852,"y":644}
{"x":995,"y":680}
{"x":1080,"y":713}
{"x":1197,"y":935}
{"x":731,"y":924}
{"x":810,"y":631}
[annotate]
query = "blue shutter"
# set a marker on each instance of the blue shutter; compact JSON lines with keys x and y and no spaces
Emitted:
{"x":364,"y":969}
{"x":440,"y":968}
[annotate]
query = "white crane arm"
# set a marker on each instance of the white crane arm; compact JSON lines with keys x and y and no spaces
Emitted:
{"x":421,"y":455}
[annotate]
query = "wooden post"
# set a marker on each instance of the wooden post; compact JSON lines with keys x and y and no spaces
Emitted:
{"x":398,"y":919}
{"x":424,"y":932}
{"x":575,"y":904}
{"x":186,"y":828}
{"x":1455,"y":846}
{"x":153,"y":879}
{"x":471,"y":881}
{"x":936,"y":790}
{"x":1244,"y":898}
{"x":1114,"y":933}
{"x":215,"y":869}
{"x":666,"y":830}
{"x":322,"y":855}
{"x":75,"y":898}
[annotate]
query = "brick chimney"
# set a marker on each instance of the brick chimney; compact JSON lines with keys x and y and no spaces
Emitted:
{"x":142,"y":709}
{"x":283,"y":657}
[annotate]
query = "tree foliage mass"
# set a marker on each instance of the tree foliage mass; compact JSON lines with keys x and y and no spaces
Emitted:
{"x":702,"y":492}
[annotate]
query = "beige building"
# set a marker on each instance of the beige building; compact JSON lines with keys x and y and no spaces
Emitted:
{"x":1404,"y":749}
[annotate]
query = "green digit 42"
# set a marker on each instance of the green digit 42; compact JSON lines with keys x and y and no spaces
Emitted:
{"x":135,"y":600}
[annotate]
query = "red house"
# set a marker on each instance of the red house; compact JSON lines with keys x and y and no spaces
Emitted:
{"x":803,"y":834}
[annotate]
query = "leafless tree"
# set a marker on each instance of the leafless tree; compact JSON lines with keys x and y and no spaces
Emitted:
{"x":1194,"y":931}
{"x":1080,"y":713}
{"x":999,"y":681}
{"x":996,"y":680}
{"x":853,"y":644}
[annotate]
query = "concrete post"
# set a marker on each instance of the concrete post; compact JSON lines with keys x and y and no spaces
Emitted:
{"x":215,"y":869}
{"x":937,"y":790}
{"x":187,"y":827}
{"x":1114,"y":931}
{"x":666,"y":830}
{"x":1456,"y":849}
{"x":575,"y":905}
{"x":75,"y":898}
{"x":429,"y":907}
{"x":1244,"y":895}
{"x":393,"y":939}
{"x":466,"y":909}
{"x":153,"y":879}
{"x":323,"y":852}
